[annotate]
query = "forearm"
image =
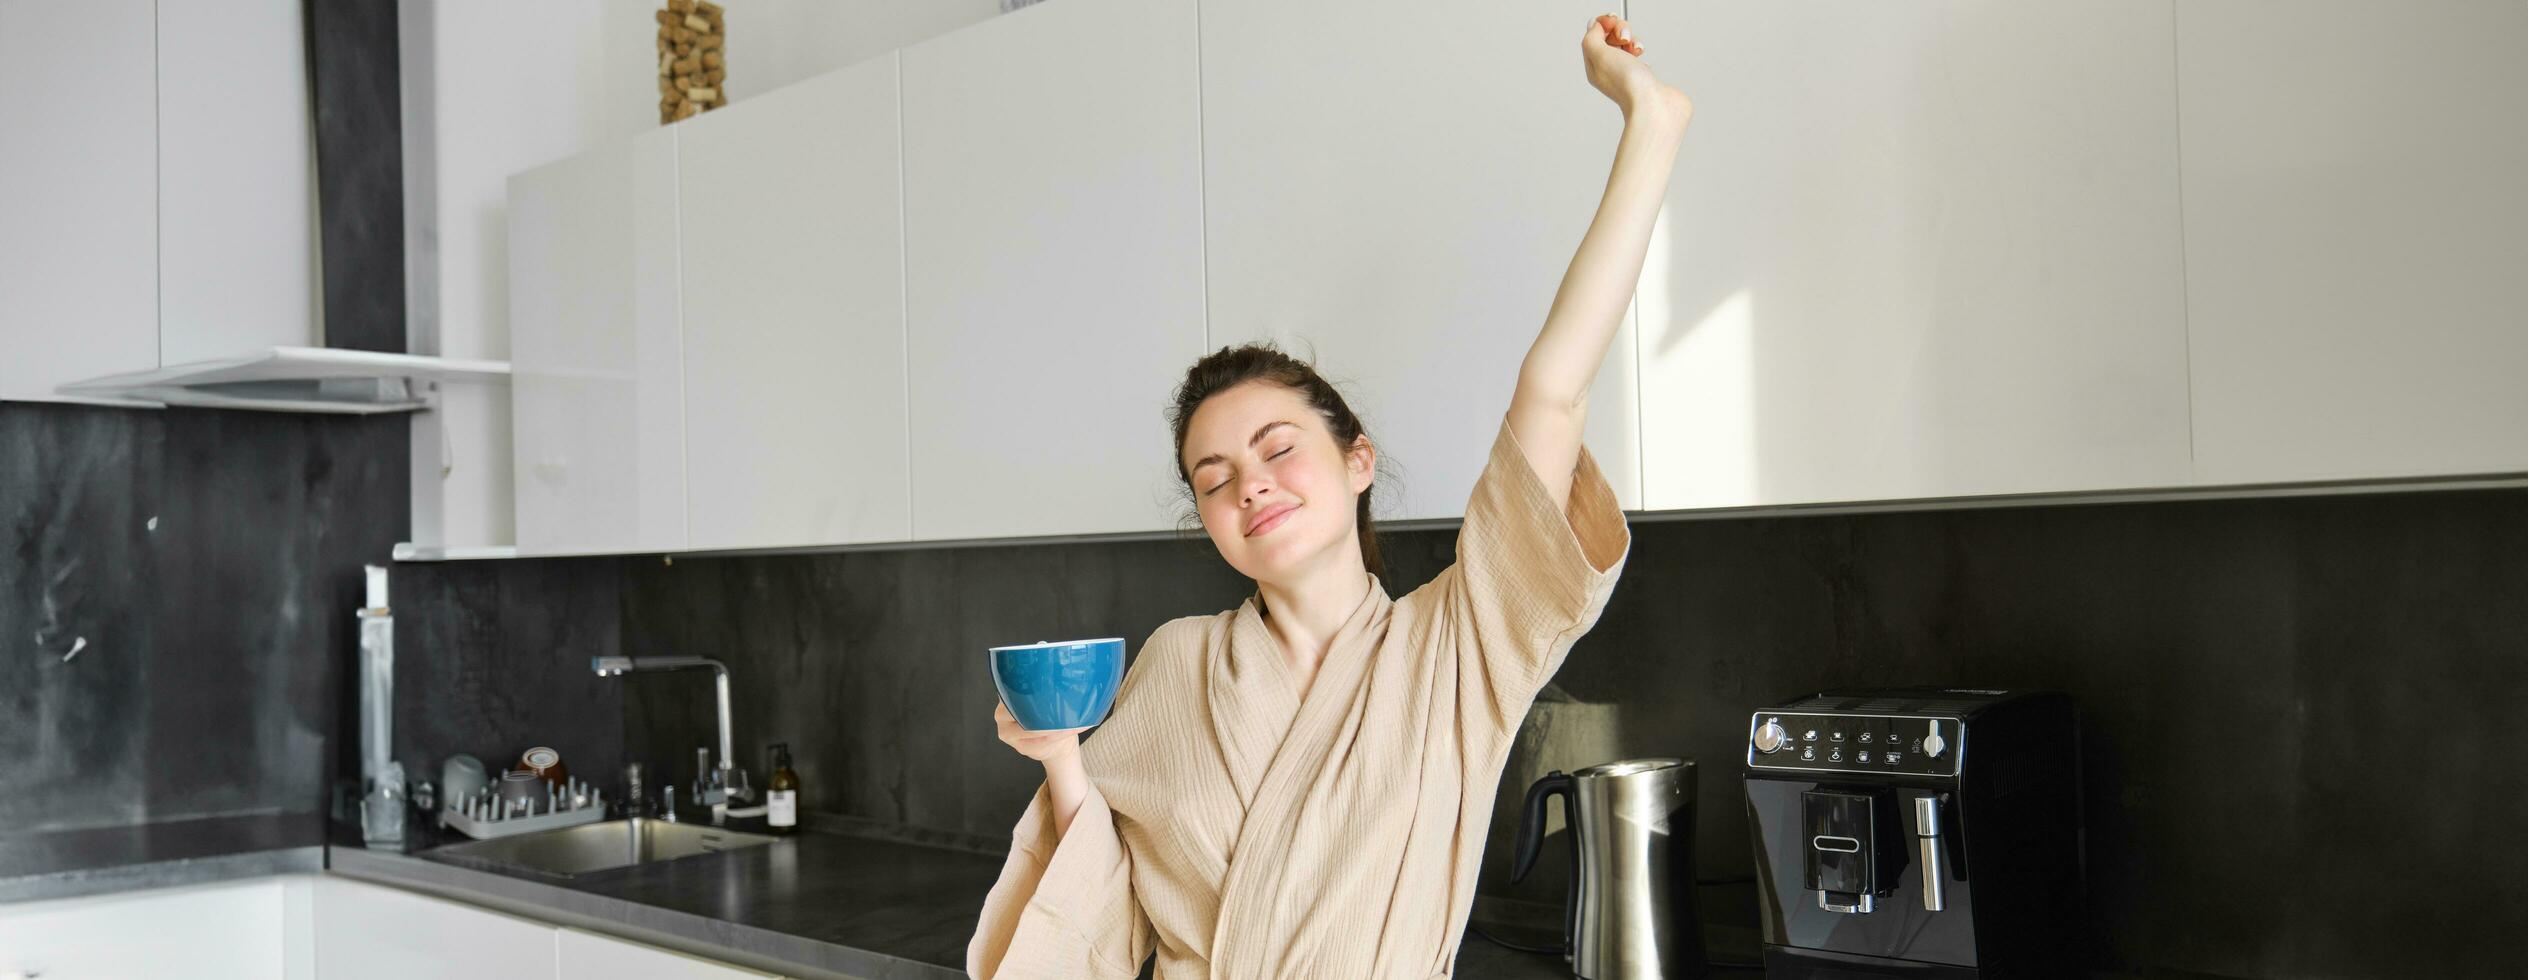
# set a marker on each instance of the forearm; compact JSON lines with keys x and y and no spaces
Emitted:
{"x":1599,"y":284}
{"x":1067,"y":781}
{"x":1550,"y":408}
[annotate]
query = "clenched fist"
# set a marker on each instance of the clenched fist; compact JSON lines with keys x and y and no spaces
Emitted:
{"x":1613,"y":61}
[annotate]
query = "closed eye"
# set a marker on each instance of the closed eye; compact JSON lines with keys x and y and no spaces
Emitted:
{"x":1285,"y":452}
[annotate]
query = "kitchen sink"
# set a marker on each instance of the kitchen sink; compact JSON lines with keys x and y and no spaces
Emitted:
{"x":599,"y":846}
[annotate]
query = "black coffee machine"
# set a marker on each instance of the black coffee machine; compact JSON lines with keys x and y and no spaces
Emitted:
{"x":1918,"y":833}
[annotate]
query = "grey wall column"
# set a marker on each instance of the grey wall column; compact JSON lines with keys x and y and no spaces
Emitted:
{"x":354,"y":73}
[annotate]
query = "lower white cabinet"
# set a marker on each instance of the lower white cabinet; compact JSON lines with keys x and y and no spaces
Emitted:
{"x":587,"y":956}
{"x":208,"y":932}
{"x":372,"y":931}
{"x":301,"y":927}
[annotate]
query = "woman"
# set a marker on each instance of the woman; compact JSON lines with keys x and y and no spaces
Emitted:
{"x":1301,"y":786}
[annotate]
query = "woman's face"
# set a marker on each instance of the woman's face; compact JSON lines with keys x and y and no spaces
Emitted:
{"x":1275,"y":494}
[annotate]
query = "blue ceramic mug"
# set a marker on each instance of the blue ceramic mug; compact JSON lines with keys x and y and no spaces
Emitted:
{"x":1059,"y":685}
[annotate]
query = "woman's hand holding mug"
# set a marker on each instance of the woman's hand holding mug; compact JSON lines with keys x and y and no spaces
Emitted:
{"x":1045,"y":747}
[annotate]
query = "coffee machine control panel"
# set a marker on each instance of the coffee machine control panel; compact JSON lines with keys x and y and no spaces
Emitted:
{"x":1802,"y":741}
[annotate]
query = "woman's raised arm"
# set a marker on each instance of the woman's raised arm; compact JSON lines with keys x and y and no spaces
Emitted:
{"x":1551,"y":403}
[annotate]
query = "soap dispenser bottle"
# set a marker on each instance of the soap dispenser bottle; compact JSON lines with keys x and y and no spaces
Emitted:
{"x":782,"y":802}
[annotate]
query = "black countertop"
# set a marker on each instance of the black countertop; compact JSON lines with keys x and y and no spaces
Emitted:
{"x":98,"y":860}
{"x":815,"y":904}
{"x":865,"y":902}
{"x":845,"y":900}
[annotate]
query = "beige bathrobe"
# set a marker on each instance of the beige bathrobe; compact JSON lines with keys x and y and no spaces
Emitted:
{"x":1239,"y":832}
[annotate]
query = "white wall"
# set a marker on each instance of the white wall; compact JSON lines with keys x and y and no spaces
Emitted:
{"x":491,"y":89}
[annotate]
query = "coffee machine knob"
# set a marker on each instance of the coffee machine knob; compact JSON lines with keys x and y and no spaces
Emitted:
{"x":1770,"y":737}
{"x":1933,"y":744}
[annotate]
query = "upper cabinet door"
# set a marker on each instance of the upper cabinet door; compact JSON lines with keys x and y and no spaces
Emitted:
{"x":79,"y":227}
{"x":1914,"y":250}
{"x":236,"y":178}
{"x":596,"y":357}
{"x":794,"y":317}
{"x":2356,"y":181}
{"x":1053,"y":260}
{"x":1397,"y":190}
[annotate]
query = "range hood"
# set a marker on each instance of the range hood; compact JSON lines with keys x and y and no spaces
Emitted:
{"x":297,"y":379}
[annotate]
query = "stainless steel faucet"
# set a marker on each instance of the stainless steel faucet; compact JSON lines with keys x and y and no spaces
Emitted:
{"x":729,"y":782}
{"x":636,"y":802}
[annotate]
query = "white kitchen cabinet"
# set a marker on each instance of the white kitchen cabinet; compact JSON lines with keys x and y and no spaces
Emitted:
{"x":2356,"y":191}
{"x":237,"y":268}
{"x":170,"y":216}
{"x":232,"y":929}
{"x":587,"y":956}
{"x":596,"y":351}
{"x":1053,"y":266}
{"x":794,"y":316}
{"x":1914,"y":250}
{"x":79,"y":228}
{"x":1398,"y":192}
{"x":381,"y":933}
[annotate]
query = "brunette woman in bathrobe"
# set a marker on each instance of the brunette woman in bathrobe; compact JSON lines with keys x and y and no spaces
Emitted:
{"x":1301,"y":786}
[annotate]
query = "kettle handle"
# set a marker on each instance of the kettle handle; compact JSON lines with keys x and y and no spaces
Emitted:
{"x":1532,"y":822}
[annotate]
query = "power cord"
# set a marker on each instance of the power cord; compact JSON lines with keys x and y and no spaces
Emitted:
{"x":1553,"y":950}
{"x":1558,"y":949}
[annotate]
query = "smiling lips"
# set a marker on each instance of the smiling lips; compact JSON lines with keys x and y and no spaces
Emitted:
{"x":1271,"y":518}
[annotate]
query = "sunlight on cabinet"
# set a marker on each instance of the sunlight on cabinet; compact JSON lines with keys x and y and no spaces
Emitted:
{"x":1404,"y":215}
{"x":1914,"y":250}
{"x":1710,"y":454}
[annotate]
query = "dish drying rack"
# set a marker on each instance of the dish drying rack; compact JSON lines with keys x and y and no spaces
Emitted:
{"x":485,"y":815}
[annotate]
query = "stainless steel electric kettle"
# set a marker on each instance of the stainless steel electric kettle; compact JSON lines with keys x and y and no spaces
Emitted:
{"x":1629,"y":914}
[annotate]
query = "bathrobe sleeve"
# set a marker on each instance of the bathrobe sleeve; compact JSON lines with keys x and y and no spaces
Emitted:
{"x":1063,"y":907}
{"x":1530,"y":578}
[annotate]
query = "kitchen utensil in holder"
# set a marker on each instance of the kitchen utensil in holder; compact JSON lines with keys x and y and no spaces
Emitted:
{"x":485,"y":815}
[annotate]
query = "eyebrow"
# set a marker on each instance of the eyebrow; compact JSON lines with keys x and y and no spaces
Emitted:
{"x":1251,"y":440}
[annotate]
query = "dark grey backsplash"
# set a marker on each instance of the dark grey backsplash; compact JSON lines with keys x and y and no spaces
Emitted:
{"x":2292,"y":706}
{"x":205,"y":566}
{"x":2294,"y":709}
{"x":491,"y":659}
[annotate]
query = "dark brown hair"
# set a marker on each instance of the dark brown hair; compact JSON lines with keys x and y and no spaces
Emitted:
{"x":1230,"y":367}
